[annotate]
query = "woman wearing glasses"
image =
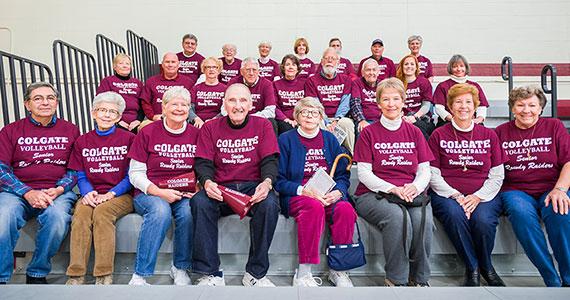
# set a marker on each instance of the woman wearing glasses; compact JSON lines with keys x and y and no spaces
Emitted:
{"x":207,"y":97}
{"x":302,"y":152}
{"x":100,"y":159}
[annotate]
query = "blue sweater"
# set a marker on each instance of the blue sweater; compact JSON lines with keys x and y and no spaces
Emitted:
{"x":292,"y":164}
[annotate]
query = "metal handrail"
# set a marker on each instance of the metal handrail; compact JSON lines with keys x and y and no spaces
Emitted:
{"x":552,"y":90}
{"x":20,"y":69}
{"x":507,"y":74}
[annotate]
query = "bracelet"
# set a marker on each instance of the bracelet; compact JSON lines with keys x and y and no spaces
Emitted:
{"x":562,"y":189}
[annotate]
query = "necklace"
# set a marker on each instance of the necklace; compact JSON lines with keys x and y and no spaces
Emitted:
{"x":530,"y":138}
{"x":463,"y":163}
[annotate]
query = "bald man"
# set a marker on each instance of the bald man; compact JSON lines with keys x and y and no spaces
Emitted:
{"x":155,"y":86}
{"x":238,"y":151}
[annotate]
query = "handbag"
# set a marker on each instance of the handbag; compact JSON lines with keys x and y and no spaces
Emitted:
{"x":421,"y":200}
{"x":344,"y":257}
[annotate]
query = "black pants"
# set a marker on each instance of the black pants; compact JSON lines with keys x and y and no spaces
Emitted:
{"x":264,"y":216}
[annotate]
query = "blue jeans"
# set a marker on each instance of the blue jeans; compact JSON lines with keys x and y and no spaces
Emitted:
{"x":472,"y":238}
{"x":157,"y":217}
{"x":206,"y":211}
{"x":525,"y":213}
{"x":53,"y":226}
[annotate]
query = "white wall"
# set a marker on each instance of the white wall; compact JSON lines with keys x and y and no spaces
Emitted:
{"x":484,"y":31}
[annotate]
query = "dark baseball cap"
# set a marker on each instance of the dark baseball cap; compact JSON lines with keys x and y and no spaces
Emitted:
{"x":378,"y":41}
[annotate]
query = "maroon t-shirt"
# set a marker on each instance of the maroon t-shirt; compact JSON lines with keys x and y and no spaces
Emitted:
{"x":207,"y":99}
{"x":417,"y":91}
{"x":394,"y":155}
{"x":229,"y":71}
{"x":102,"y":158}
{"x":237,"y":153}
{"x":440,"y":93}
{"x":190,"y":65}
{"x":386,"y":67}
{"x":367,"y":96}
{"x":537,"y":172}
{"x":155,"y":88}
{"x":38,"y":155}
{"x":269,"y":70}
{"x":426,"y":68}
{"x":315,"y":157}
{"x":165,"y":154}
{"x":262,"y":93}
{"x":287,"y":93}
{"x":130,"y":89}
{"x":344,"y":67}
{"x":308,"y":68}
{"x":328,"y":91}
{"x":478,"y":150}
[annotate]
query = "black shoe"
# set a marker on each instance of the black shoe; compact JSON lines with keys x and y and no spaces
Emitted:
{"x":2,"y":282}
{"x":35,"y":280}
{"x":492,"y":278}
{"x":472,"y":278}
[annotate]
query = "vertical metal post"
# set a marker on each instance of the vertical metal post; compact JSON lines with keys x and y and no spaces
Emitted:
{"x":507,"y":74}
{"x":552,"y":90}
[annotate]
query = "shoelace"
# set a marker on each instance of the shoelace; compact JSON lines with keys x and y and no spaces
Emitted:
{"x":210,"y":278}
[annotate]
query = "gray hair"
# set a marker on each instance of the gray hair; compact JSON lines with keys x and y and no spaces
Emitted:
{"x":111,"y":98}
{"x":174,"y":92}
{"x":238,"y":86}
{"x":37,"y":85}
{"x":333,"y":50}
{"x":267,"y":43}
{"x":249,"y":60}
{"x":225,"y":46}
{"x":189,"y":36}
{"x":370,"y":61}
{"x":415,"y":38}
{"x":455,"y":59}
{"x":308,"y":102}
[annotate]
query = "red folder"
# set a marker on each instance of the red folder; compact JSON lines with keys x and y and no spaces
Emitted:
{"x":183,"y":183}
{"x":237,"y":201}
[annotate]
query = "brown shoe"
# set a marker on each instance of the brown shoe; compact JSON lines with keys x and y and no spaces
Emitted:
{"x":75,"y":280}
{"x":388,"y":282}
{"x":104,"y":280}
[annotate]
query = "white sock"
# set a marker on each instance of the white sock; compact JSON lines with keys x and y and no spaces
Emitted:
{"x":304,"y":270}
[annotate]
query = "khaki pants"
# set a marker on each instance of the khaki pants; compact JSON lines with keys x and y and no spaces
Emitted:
{"x":97,"y":224}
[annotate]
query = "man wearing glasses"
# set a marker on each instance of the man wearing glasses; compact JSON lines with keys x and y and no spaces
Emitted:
{"x":333,"y":91}
{"x":35,"y":182}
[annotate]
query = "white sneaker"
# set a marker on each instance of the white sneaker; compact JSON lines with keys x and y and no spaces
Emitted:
{"x":340,"y":278}
{"x":249,"y":280}
{"x":138,"y":280}
{"x":211,"y":280}
{"x":180,"y":276}
{"x":307,"y":280}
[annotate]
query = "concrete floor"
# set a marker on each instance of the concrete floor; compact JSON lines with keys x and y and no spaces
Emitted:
{"x":360,"y":281}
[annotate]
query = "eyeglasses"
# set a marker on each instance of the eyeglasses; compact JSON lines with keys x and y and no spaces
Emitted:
{"x":210,"y":67}
{"x":313,"y":113}
{"x":40,"y":99}
{"x":103,"y":112}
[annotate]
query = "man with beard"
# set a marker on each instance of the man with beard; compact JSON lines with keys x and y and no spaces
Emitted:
{"x":334,"y":91}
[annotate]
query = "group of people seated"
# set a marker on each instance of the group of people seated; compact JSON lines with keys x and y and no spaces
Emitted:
{"x":220,"y":132}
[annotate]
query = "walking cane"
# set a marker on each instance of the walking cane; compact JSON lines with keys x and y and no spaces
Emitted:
{"x":335,"y":163}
